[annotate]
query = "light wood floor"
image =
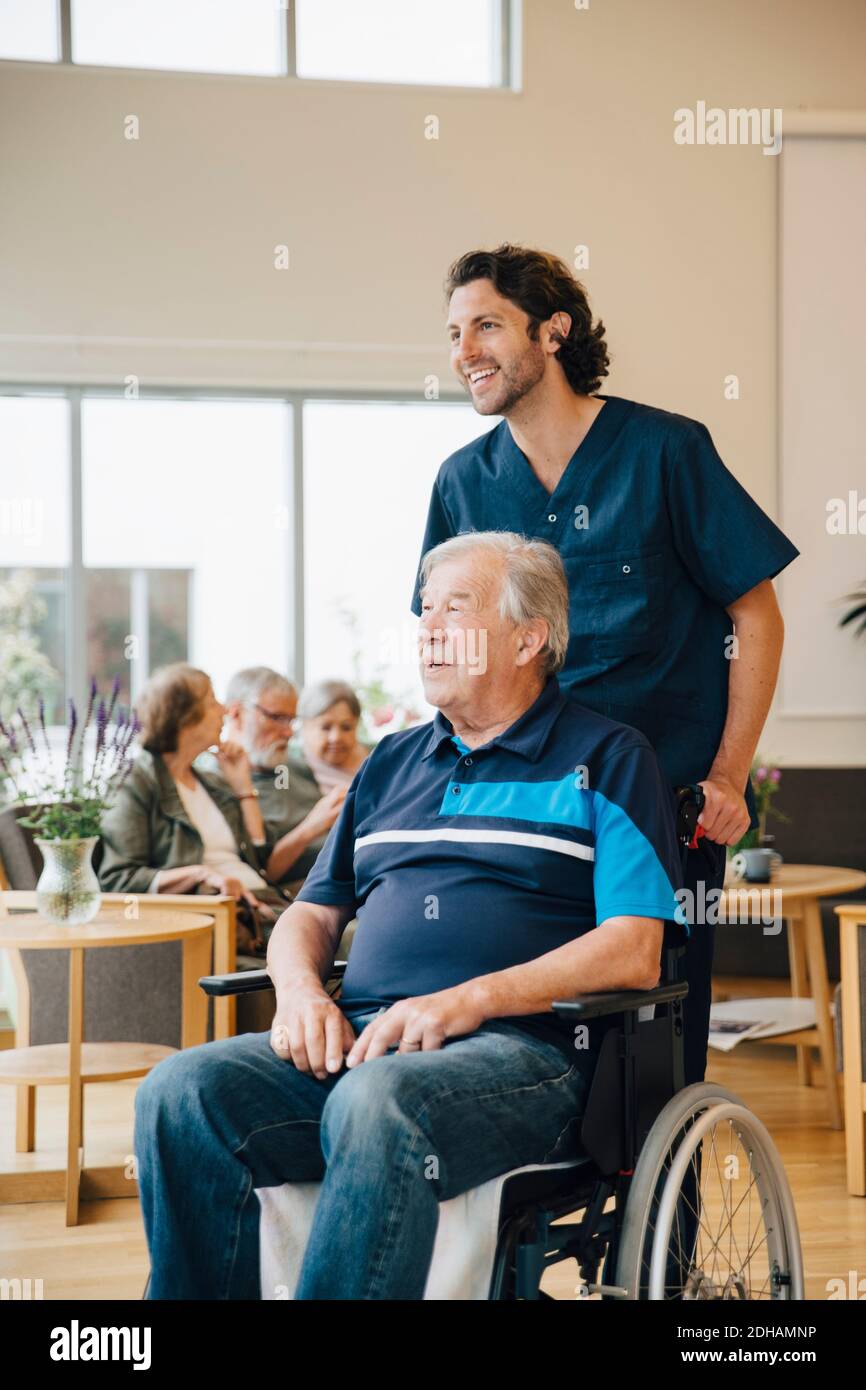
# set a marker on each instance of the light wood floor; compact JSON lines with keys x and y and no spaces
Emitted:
{"x":105,"y":1256}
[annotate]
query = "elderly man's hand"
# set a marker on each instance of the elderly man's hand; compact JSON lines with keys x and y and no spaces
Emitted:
{"x":725,"y":816}
{"x":234,"y":764}
{"x":421,"y":1024}
{"x":310,"y":1030}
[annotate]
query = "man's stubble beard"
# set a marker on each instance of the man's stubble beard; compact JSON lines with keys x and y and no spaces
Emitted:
{"x":516,"y":384}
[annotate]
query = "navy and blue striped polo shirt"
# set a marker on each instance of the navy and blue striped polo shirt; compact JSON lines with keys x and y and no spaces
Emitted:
{"x":461,"y":862}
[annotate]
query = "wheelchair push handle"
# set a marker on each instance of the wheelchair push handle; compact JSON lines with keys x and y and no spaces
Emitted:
{"x":690,"y":802}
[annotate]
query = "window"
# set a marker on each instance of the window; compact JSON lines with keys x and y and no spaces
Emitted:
{"x":463,"y":43}
{"x":184,"y":547}
{"x":35,"y":549}
{"x":368,"y":471}
{"x":123,"y":602}
{"x":185,"y":522}
{"x":239,"y":36}
{"x":30,"y":30}
{"x":454,"y":42}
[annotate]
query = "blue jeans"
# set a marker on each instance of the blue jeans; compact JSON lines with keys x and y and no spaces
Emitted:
{"x":388,"y":1140}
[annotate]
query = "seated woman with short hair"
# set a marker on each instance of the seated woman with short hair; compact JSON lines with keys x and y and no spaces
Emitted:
{"x":329,"y":712}
{"x":176,"y":829}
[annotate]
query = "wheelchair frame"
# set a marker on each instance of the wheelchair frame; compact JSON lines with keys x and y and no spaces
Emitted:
{"x":639,"y":1070}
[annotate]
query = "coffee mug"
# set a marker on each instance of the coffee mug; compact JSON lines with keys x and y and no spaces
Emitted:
{"x":755,"y":865}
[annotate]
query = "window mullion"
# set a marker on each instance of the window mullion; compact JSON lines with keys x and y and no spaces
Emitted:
{"x":139,"y":628}
{"x":65,"y":30}
{"x":290,"y":37}
{"x":76,"y":590}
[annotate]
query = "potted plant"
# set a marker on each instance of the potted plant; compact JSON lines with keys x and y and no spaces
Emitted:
{"x":765,"y":783}
{"x":66,"y":803}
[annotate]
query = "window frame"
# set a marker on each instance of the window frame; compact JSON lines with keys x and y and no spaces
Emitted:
{"x":508,"y":41}
{"x":77,"y":676}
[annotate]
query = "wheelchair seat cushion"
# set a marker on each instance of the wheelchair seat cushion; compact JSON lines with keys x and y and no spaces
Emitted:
{"x":463,"y":1254}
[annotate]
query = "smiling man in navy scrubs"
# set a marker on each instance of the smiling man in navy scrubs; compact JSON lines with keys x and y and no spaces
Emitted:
{"x":666,"y":555}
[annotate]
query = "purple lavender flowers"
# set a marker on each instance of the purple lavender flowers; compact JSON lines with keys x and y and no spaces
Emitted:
{"x":69,"y":803}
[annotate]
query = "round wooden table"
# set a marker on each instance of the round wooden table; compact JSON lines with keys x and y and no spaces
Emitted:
{"x":77,"y":1062}
{"x":792,"y":896}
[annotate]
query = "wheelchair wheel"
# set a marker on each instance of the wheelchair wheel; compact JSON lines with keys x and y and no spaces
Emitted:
{"x":709,"y":1214}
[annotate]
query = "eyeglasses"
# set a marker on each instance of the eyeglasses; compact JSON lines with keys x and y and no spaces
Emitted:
{"x":286,"y":721}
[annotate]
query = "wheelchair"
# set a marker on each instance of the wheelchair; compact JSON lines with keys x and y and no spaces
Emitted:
{"x":679,"y":1190}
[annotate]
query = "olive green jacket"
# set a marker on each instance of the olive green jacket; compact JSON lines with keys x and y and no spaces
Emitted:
{"x":147,"y":828}
{"x":283,"y":802}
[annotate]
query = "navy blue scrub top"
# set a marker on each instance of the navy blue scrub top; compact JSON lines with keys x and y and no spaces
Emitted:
{"x":657,"y":537}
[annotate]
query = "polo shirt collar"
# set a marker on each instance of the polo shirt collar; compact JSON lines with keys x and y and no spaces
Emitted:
{"x":526,"y":736}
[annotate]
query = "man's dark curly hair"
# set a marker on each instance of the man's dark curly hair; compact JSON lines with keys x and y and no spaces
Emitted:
{"x":540,"y":284}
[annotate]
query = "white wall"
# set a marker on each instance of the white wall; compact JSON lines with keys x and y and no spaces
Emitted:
{"x":823,"y":423}
{"x":155,"y":257}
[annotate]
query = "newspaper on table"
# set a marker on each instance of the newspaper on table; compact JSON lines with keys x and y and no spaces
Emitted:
{"x":732,"y":1021}
{"x":725,"y":1033}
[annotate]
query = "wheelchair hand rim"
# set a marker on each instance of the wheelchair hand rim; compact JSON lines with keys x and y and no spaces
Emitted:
{"x":785,"y":1240}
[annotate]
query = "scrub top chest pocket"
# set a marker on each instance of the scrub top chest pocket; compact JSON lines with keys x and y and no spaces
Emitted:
{"x":625,"y":602}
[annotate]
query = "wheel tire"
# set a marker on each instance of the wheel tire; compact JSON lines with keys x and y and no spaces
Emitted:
{"x":654,"y":1188}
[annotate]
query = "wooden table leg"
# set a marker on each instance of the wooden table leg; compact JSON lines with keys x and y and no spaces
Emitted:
{"x":852,"y":1023}
{"x":25,"y":1096}
{"x":821,"y":995}
{"x":799,"y":989}
{"x":25,"y":1119}
{"x":76,"y":1026}
{"x":196,"y":962}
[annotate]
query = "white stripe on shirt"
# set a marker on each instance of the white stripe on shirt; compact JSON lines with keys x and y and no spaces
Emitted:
{"x":478,"y":837}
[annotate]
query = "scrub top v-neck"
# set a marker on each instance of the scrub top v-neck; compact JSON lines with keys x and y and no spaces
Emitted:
{"x":530,"y":487}
{"x":657,"y":539}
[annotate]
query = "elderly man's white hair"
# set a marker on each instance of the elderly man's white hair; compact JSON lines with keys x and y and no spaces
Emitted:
{"x":533,"y":584}
{"x":248,"y":685}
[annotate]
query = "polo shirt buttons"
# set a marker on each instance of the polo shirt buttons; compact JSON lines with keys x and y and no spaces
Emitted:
{"x":626,"y":569}
{"x":456,"y":791}
{"x":552,"y":516}
{"x":468,"y":762}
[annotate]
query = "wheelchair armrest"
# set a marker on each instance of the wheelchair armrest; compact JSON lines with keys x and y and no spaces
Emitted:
{"x":249,"y":981}
{"x":618,"y":1002}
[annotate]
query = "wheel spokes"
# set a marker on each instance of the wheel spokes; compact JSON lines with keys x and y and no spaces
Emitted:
{"x":718,"y":1232}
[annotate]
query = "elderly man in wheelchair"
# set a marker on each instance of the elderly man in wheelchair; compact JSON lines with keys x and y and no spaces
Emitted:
{"x":502,"y":1053}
